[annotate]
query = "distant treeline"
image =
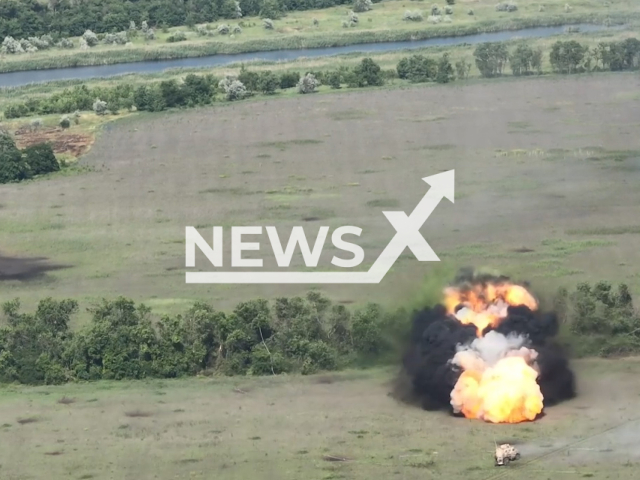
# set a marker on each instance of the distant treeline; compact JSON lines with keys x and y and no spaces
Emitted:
{"x":65,"y":18}
{"x":491,"y":59}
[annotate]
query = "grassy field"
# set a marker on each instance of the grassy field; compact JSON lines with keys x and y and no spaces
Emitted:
{"x":297,"y":30}
{"x":545,"y":169}
{"x":339,"y":426}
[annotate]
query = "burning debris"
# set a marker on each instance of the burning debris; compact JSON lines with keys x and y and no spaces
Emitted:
{"x":487,"y":353}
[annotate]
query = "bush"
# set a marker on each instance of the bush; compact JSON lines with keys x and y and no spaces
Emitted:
{"x":367,"y":74}
{"x":448,"y":10}
{"x":177,"y":37}
{"x":65,"y":43}
{"x":334,"y":80}
{"x":41,"y":159}
{"x":362,"y":6}
{"x":412,"y":16}
{"x":435,"y":10}
{"x":445,"y":70}
{"x":289,"y":79}
{"x":90,"y":38}
{"x":308,"y":84}
{"x":417,"y":68}
{"x":234,"y":89}
{"x":150,"y":34}
{"x":267,"y":23}
{"x":462,"y":69}
{"x":268,"y":82}
{"x":506,"y":7}
{"x":99,"y":107}
{"x":65,"y":122}
{"x":567,"y":56}
{"x":223,"y":29}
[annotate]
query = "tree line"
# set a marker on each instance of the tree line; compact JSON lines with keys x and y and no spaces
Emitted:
{"x":491,"y":59}
{"x":71,"y":18}
{"x":300,"y":334}
{"x":122,"y":341}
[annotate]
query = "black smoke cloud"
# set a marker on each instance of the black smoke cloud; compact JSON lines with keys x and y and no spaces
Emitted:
{"x":427,"y":377}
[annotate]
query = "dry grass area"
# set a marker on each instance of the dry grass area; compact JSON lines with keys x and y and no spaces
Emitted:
{"x":546,"y":175}
{"x":342,"y":426}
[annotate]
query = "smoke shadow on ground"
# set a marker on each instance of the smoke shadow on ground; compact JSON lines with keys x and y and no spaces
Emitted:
{"x":25,"y":269}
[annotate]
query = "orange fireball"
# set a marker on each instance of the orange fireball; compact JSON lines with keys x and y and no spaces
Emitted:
{"x":498,"y":383}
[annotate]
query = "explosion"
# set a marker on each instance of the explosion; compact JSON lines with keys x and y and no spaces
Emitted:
{"x":485,"y":353}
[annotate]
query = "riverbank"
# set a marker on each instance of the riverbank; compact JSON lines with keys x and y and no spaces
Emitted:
{"x":384,"y":23}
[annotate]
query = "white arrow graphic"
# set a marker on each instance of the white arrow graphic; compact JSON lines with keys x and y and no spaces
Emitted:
{"x":407,"y":236}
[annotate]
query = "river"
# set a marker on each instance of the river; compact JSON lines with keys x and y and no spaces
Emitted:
{"x":16,"y":79}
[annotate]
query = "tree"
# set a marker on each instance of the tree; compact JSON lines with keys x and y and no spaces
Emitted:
{"x":308,"y":84}
{"x":368,"y":73}
{"x":13,"y":166}
{"x":567,"y":56}
{"x":271,"y":9}
{"x":462,"y":69}
{"x":417,"y":68}
{"x":41,"y":159}
{"x":491,"y":58}
{"x":521,"y":60}
{"x":445,"y":70}
{"x":268,"y":82}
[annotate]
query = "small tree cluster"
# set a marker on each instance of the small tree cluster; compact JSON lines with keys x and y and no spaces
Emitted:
{"x":17,"y":165}
{"x":491,"y":58}
{"x":271,"y":9}
{"x":525,"y":60}
{"x":568,"y":56}
{"x":119,"y":38}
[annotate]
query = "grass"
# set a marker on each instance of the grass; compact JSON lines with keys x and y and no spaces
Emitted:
{"x":258,"y":425}
{"x":382,"y":24}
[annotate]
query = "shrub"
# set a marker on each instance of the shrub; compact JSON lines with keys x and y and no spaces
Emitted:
{"x":267,"y":23}
{"x":462,"y":69}
{"x":268,"y":82}
{"x":223,"y":29}
{"x":434,"y":19}
{"x":41,"y":159}
{"x":144,"y":27}
{"x":417,"y":68}
{"x":289,"y":79}
{"x":203,"y":31}
{"x":234,"y":89}
{"x":315,"y":22}
{"x":506,"y":7}
{"x":35,"y":124}
{"x":90,"y":38}
{"x":65,"y":122}
{"x":177,"y":37}
{"x":435,"y":10}
{"x":448,"y":10}
{"x":470,"y":12}
{"x":567,"y":56}
{"x":308,"y":84}
{"x":368,"y":73}
{"x":333,"y":79}
{"x":445,"y":70}
{"x":99,"y":107}
{"x":237,"y":29}
{"x":150,"y":34}
{"x":12,"y":46}
{"x":362,"y":6}
{"x":412,"y":16}
{"x":65,"y":43}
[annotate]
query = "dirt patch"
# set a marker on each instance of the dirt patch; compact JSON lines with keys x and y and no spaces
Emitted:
{"x":62,"y":142}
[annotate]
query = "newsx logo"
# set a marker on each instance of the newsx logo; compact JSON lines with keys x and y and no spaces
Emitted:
{"x":407,"y":235}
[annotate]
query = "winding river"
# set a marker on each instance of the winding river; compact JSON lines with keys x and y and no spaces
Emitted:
{"x":16,"y":79}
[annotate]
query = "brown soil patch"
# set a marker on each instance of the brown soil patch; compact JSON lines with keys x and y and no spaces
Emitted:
{"x":63,"y":142}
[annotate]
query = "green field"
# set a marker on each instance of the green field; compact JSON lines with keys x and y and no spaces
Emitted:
{"x":526,"y":154}
{"x":297,"y":30}
{"x":339,"y":426}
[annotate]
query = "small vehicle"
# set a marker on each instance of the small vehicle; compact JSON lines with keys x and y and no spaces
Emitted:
{"x":506,"y":453}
